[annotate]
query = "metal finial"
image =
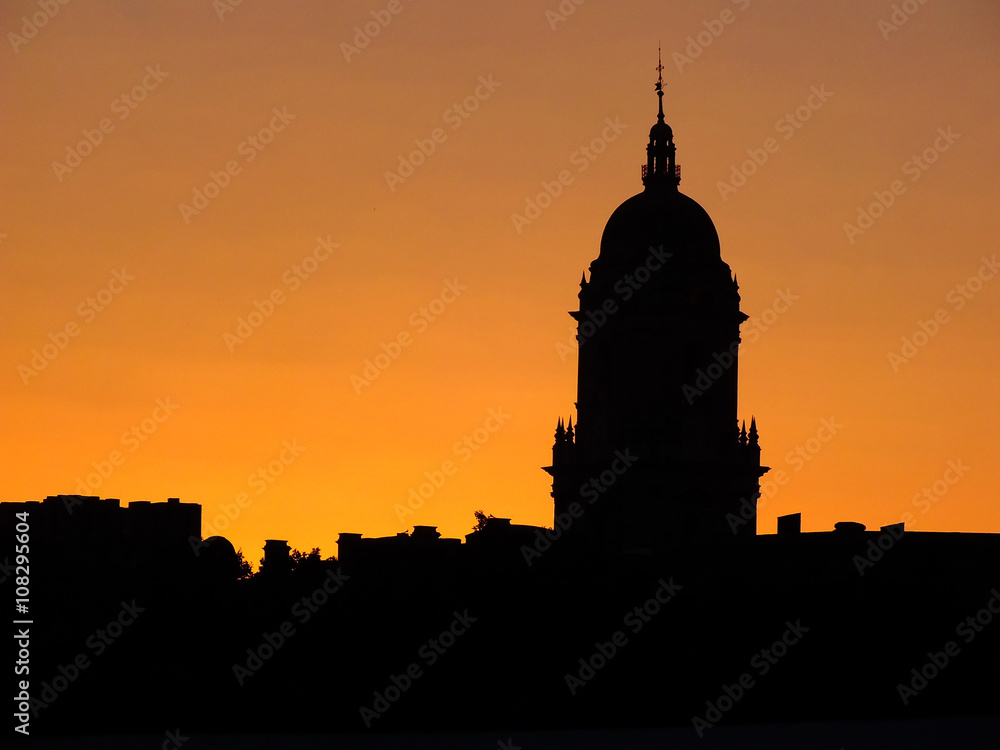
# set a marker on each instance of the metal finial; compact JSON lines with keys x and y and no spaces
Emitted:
{"x":659,"y":82}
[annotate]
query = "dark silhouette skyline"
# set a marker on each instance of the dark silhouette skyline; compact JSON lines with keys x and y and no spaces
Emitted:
{"x":644,"y":606}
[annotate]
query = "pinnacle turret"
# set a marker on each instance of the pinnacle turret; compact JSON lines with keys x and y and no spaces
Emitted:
{"x":660,"y":168}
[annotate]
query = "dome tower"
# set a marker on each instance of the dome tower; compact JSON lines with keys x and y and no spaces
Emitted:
{"x":657,"y":454}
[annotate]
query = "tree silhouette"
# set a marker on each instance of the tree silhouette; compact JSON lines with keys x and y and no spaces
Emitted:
{"x":481,"y":519}
{"x":304,"y":560}
{"x":243,"y":566}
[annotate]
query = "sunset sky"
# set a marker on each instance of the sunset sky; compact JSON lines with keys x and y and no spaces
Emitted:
{"x":179,"y":175}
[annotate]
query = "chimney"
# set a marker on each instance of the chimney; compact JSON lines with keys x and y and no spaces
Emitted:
{"x":347,"y":544}
{"x":790,"y":524}
{"x":849,"y":527}
{"x":276,"y":555}
{"x":426,"y":532}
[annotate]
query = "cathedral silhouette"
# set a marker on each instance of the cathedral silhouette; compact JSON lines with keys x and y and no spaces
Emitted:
{"x":657,"y":440}
{"x":660,"y":308}
{"x":643,"y":606}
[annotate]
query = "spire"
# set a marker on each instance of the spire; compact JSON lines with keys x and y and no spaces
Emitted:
{"x":559,"y":429}
{"x":660,"y":168}
{"x":659,"y":82}
{"x":569,"y":430}
{"x":753,"y":431}
{"x":743,"y":433}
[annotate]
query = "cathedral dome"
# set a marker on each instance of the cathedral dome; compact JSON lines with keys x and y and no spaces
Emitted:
{"x":659,"y":216}
{"x":662,"y":243}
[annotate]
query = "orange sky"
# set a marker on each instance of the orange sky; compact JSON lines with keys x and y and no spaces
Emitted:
{"x":355,"y":259}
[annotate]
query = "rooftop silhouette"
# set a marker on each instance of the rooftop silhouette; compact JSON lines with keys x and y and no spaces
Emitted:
{"x":652,"y":600}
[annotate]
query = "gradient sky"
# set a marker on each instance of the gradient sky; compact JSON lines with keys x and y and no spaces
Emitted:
{"x":210,"y":414}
